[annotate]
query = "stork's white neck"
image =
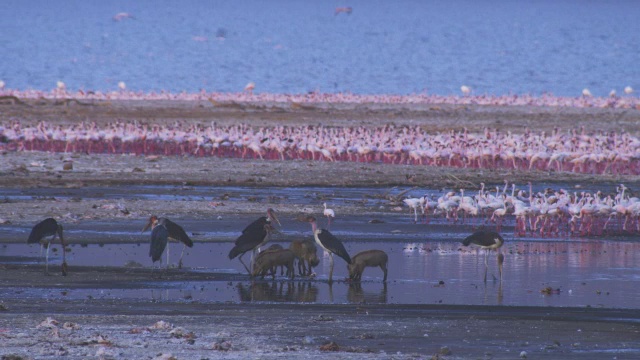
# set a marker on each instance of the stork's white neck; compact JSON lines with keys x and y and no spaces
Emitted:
{"x":317,"y":239}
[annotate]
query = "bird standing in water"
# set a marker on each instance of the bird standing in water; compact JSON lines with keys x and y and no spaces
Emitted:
{"x":329,"y":213}
{"x":42,"y":230}
{"x":253,"y":236}
{"x":330,"y":243}
{"x":488,"y":240}
{"x":163,"y":229}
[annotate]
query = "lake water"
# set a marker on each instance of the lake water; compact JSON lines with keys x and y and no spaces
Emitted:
{"x":397,"y":47}
{"x":579,"y":273}
{"x":427,"y":263}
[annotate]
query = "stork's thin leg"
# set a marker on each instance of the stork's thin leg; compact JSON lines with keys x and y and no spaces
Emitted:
{"x":46,"y":262}
{"x":243,"y":264}
{"x":331,"y":268}
{"x":500,"y":262}
{"x":168,"y":247}
{"x":64,"y":257}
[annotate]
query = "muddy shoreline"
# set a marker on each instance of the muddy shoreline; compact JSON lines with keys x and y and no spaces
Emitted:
{"x":294,"y":331}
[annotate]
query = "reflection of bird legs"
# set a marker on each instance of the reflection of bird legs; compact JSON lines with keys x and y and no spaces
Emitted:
{"x":500,"y":261}
{"x":331,"y":267}
{"x":46,"y":266}
{"x":168,"y":247}
{"x":330,"y":291}
{"x":486,"y":265}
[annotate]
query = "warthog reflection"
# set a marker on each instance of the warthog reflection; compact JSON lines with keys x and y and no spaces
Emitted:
{"x":278,"y":291}
{"x":357,"y":295}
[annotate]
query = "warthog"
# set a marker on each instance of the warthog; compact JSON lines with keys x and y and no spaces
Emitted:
{"x":306,"y":253}
{"x":268,"y":260}
{"x":368,"y":258}
{"x":274,"y":247}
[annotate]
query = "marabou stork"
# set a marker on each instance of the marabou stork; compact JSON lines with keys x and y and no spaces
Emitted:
{"x":45,"y":228}
{"x":253,"y":237}
{"x":163,"y":229}
{"x":330,"y":243}
{"x":487,"y":240}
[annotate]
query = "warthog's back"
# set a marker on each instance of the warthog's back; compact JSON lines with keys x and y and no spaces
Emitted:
{"x":270,"y":258}
{"x":371,"y":258}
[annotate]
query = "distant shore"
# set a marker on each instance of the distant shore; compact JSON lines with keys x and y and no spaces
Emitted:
{"x":61,"y":95}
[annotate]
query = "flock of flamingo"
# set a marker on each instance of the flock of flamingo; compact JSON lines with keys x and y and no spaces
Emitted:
{"x":573,"y":150}
{"x":550,"y":213}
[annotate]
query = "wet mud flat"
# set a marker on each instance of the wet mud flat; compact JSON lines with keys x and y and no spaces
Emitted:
{"x":130,"y":328}
{"x":54,"y":327}
{"x":116,"y":329}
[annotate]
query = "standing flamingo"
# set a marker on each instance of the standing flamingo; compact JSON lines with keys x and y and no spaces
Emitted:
{"x":249,"y":88}
{"x":329,"y":213}
{"x":415,"y":203}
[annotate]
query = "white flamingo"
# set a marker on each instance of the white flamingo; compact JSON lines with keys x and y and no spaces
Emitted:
{"x":329,"y":213}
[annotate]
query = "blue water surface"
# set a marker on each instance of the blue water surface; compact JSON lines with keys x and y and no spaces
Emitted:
{"x":391,"y":47}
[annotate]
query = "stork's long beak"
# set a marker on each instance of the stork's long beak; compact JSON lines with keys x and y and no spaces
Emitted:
{"x":276,"y":231}
{"x":275,"y":218}
{"x":146,"y":227}
{"x":271,"y":229}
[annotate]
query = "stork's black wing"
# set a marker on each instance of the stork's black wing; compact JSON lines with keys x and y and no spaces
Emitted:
{"x":258,"y":224}
{"x":250,"y":238}
{"x":177,"y":232}
{"x":482,"y":238}
{"x":47,"y":227}
{"x":159,"y":237}
{"x":334,"y":245}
